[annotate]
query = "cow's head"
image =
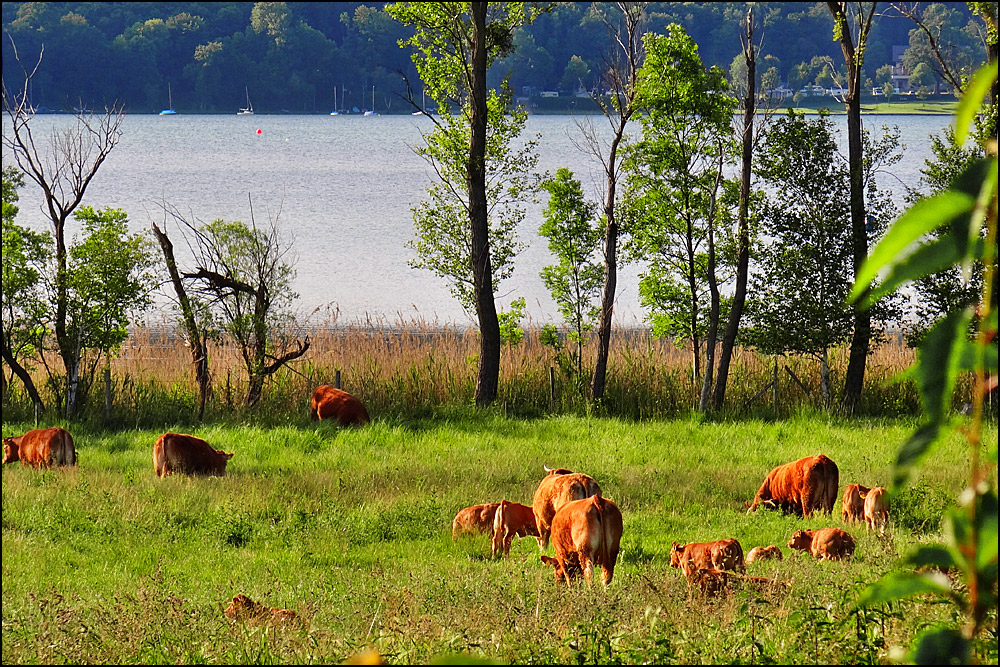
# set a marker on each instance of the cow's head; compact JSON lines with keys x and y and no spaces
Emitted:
{"x":801,"y":540}
{"x":243,"y":606}
{"x":10,"y":450}
{"x":551,"y":472}
{"x":556,"y":565}
{"x":676,"y":553}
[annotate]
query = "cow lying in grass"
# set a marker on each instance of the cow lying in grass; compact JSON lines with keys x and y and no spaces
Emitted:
{"x":246,"y":610}
{"x":824,"y":544}
{"x":724,"y":554}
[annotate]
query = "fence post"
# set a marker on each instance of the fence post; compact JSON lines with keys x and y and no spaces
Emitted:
{"x":336,"y":379}
{"x":107,"y":394}
{"x":774,"y":387}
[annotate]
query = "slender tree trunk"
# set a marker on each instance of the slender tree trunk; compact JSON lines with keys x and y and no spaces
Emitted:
{"x":625,"y":89}
{"x":487,"y":383}
{"x":199,"y":351}
{"x":824,"y":376}
{"x":854,"y":59}
{"x":713,"y":288}
{"x":22,"y":373}
{"x":743,"y":225}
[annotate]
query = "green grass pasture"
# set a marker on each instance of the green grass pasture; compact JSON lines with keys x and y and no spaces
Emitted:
{"x":351,"y":528}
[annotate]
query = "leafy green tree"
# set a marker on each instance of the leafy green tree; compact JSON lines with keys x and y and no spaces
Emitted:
{"x":853,"y":47}
{"x":111,"y":276}
{"x":969,"y":545}
{"x":575,"y":76}
{"x":63,"y":169}
{"x":624,"y":24}
{"x":797,"y":297}
{"x":674,"y":181}
{"x":576,"y":281}
{"x":940,"y":42}
{"x":22,"y":301}
{"x":455,"y":43}
{"x":922,"y":79}
{"x":243,"y":273}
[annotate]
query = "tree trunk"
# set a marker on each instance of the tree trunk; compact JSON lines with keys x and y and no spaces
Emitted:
{"x":487,"y":383}
{"x":22,"y":373}
{"x":199,"y":351}
{"x":854,"y":59}
{"x":743,"y":230}
{"x":607,"y":305}
{"x":824,"y":377}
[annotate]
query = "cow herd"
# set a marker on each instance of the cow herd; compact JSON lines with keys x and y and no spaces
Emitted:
{"x":568,"y":508}
{"x":586,"y":529}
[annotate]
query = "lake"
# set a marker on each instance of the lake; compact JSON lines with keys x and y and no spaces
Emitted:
{"x":342,"y":187}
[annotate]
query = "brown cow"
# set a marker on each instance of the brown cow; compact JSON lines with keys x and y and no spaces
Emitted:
{"x":512,"y":519}
{"x":585,"y":533}
{"x":178,"y":452}
{"x":332,"y":403}
{"x":557,"y":488}
{"x":43,"y":447}
{"x":724,"y":554}
{"x":801,"y":486}
{"x":877,"y":508}
{"x":477,"y":518}
{"x":244,"y":609}
{"x":715,"y":582}
{"x":764,"y":553}
{"x":853,"y":505}
{"x":825,"y":543}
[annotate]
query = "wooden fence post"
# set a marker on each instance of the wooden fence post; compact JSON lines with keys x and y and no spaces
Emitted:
{"x":774,"y":387}
{"x":336,"y":379}
{"x":107,"y":394}
{"x":552,"y":387}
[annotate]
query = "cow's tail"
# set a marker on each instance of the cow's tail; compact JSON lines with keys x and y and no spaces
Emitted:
{"x":499,"y":536}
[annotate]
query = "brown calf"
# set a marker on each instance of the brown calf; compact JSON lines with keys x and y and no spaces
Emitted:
{"x":512,"y":519}
{"x":43,"y":447}
{"x":764,"y":553}
{"x":178,"y":452}
{"x":474,"y":519}
{"x":724,"y":554}
{"x":332,"y":403}
{"x":877,"y":509}
{"x":825,"y":543}
{"x":586,"y":533}
{"x":853,"y":505}
{"x":244,"y":609}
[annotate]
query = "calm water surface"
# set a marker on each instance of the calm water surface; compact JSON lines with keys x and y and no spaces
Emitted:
{"x":342,"y":188}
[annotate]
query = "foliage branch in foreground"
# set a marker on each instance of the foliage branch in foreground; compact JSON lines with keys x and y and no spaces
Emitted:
{"x":970,"y":530}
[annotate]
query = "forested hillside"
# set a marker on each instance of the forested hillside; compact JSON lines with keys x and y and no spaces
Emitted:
{"x":291,"y":56}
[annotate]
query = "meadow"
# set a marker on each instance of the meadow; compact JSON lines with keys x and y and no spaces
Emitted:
{"x":351,"y":528}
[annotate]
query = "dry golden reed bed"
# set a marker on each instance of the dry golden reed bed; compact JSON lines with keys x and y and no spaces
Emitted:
{"x":414,"y":368}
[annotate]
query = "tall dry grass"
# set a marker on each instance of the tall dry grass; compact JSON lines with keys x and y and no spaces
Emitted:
{"x":412,"y":368}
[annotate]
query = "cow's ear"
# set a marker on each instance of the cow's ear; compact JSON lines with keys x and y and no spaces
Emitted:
{"x":229,"y":455}
{"x":548,"y":560}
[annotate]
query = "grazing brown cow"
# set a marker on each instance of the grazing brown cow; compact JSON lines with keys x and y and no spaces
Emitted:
{"x":178,"y":452}
{"x":825,"y":543}
{"x":764,"y":553}
{"x":586,"y":533}
{"x":474,"y":519}
{"x":724,"y":554}
{"x":244,"y":609}
{"x":332,"y":403}
{"x":716,"y":582}
{"x":801,"y":486}
{"x":877,"y":508}
{"x":512,"y":519}
{"x":853,"y":506}
{"x":43,"y":447}
{"x":557,"y":488}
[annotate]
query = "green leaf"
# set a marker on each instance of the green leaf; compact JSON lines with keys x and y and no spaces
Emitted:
{"x":973,"y":99}
{"x":957,"y":530}
{"x":968,"y":359}
{"x":938,"y":363}
{"x":912,"y":450}
{"x":929,"y":258}
{"x":898,"y":585}
{"x":986,"y":548}
{"x":941,"y":646}
{"x":933,"y":555}
{"x":921,"y":218}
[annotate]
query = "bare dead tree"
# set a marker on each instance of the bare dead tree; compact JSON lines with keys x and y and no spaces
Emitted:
{"x":198,"y":342}
{"x":63,"y":168}
{"x":621,"y":71}
{"x":243,"y":273}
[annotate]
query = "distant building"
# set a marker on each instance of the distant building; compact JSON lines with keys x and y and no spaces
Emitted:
{"x":549,"y":93}
{"x":900,"y":77}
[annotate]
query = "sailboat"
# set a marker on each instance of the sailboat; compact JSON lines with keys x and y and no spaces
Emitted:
{"x":334,"y":112}
{"x":169,"y":111}
{"x":371,"y":112}
{"x":248,"y":109}
{"x":423,"y":105}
